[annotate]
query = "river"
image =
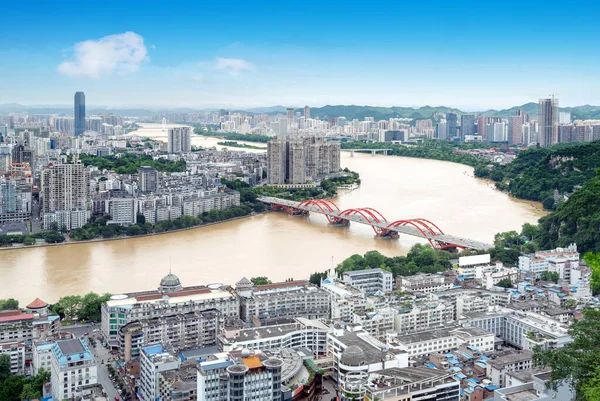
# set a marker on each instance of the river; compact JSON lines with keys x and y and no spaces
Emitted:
{"x":273,"y":244}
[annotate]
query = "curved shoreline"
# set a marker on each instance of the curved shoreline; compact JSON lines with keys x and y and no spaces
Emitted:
{"x":537,"y":205}
{"x":126,"y":237}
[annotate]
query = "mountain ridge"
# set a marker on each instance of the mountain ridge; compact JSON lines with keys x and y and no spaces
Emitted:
{"x":585,"y":112}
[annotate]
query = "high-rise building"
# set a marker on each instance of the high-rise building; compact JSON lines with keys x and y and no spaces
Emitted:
{"x":250,"y":376}
{"x":467,"y":125}
{"x":525,"y":119}
{"x":297,"y":160}
{"x":515,"y":130}
{"x":79,"y":113}
{"x":451,"y":124}
{"x":482,"y":122}
{"x":65,"y":188}
{"x":147,"y":179}
{"x":290,"y":114}
{"x":180,"y":140}
{"x":73,"y":369}
{"x":306,"y":112}
{"x":548,"y":121}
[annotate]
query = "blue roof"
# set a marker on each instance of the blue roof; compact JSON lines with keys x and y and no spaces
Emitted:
{"x":449,"y":355}
{"x":153,"y":349}
{"x":481,"y":364}
{"x":460,"y":376}
{"x":473,"y":380}
{"x":491,"y":387}
{"x":455,"y":369}
{"x":430,"y":365}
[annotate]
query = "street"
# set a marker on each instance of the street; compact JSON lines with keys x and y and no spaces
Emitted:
{"x":100,"y":354}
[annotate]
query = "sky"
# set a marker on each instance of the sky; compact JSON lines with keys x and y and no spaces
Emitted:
{"x":472,"y":55}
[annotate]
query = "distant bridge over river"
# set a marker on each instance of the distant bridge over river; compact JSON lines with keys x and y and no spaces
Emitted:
{"x":373,"y":151}
{"x":416,"y":227}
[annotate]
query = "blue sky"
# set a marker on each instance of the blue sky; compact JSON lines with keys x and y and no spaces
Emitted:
{"x":473,"y":55}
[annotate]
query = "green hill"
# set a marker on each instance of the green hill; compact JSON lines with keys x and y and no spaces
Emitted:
{"x":537,"y":172}
{"x":576,"y":220}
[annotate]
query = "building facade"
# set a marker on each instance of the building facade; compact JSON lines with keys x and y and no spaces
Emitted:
{"x":79,"y":113}
{"x":370,"y":280}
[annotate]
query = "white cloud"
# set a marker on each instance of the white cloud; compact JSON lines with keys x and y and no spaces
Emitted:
{"x":234,"y":66}
{"x":121,"y":53}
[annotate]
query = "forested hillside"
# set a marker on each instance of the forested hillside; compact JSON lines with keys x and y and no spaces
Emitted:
{"x":537,"y":172}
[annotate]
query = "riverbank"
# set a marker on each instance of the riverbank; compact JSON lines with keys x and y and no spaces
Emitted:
{"x":125,"y":237}
{"x":234,"y":144}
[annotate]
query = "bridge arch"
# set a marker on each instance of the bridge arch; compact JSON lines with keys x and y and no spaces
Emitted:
{"x":325,"y":205}
{"x":370,"y":215}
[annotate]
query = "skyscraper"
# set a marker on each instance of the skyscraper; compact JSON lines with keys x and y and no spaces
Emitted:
{"x":290,"y":114}
{"x":451,"y":125}
{"x":180,"y":140}
{"x":467,"y":125}
{"x":306,"y":112}
{"x":515,"y":130}
{"x":298,"y":160}
{"x":147,"y":179}
{"x":548,"y":121}
{"x":79,"y":113}
{"x":482,"y":122}
{"x":65,"y":187}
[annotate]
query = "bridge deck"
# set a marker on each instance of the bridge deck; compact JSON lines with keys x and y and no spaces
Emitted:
{"x":406,"y":230}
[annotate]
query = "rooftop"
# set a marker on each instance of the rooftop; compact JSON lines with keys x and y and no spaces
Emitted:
{"x":500,"y":361}
{"x":373,"y":349}
{"x":365,"y":271}
{"x":15,"y":316}
{"x":187,"y":294}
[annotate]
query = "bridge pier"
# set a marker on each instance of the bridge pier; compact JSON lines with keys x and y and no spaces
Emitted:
{"x":373,"y":152}
{"x":385,"y":152}
{"x":351,"y":153}
{"x":340,"y":223}
{"x":390,"y":235}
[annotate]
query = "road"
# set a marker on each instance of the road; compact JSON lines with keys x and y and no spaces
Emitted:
{"x":100,"y":353}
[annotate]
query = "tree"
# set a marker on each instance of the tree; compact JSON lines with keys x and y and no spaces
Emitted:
{"x":91,"y":304}
{"x":316,"y":278}
{"x":593,"y":261}
{"x":134,"y":230}
{"x":261,"y":280}
{"x":576,"y":363}
{"x":505,"y":283}
{"x":4,"y":367}
{"x":140,"y":218}
{"x":549,"y":276}
{"x":68,"y":307}
{"x":8,"y":304}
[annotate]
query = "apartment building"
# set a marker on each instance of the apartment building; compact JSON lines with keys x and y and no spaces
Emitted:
{"x":270,"y":302}
{"x":245,"y":375}
{"x":407,"y":384}
{"x":154,"y":360}
{"x":521,"y":329}
{"x":422,"y":316}
{"x":15,"y":350}
{"x":74,"y":370}
{"x":302,"y":333}
{"x":170,"y":299}
{"x":180,"y":331}
{"x":442,"y":340}
{"x":424,"y":283}
{"x":370,"y":280}
{"x":511,"y":361}
{"x":560,"y":260}
{"x":65,"y":188}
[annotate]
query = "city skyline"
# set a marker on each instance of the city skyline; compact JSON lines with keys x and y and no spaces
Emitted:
{"x":160,"y":56}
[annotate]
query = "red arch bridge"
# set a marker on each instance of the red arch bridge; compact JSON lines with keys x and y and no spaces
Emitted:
{"x":382,"y":227}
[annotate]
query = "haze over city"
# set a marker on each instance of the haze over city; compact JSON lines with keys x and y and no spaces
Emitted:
{"x":461,"y":54}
